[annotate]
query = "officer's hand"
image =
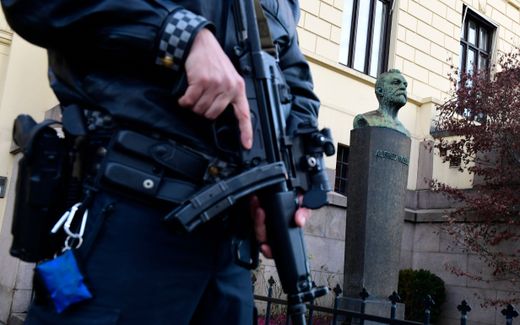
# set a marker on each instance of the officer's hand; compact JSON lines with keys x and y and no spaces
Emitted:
{"x":258,"y":214}
{"x":214,"y":83}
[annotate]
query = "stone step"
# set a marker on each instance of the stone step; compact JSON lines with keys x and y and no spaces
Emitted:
{"x":16,"y":319}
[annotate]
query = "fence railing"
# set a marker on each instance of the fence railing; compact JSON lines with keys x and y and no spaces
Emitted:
{"x":347,"y":316}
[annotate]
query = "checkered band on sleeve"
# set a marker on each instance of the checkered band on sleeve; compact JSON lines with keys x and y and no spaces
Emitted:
{"x":177,"y":36}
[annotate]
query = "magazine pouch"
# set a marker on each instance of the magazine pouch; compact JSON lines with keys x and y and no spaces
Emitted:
{"x":40,"y":189}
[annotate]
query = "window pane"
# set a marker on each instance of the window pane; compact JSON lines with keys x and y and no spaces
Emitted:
{"x":483,"y":62}
{"x":483,"y":42}
{"x":472,"y":32}
{"x":377,"y":40}
{"x":463,"y":30}
{"x":341,"y":178}
{"x":470,"y":61}
{"x":462,"y":55}
{"x":361,"y":35}
{"x":346,"y":31}
{"x":363,"y":39}
{"x":461,"y":59}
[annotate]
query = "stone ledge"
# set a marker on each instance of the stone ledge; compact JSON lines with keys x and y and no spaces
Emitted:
{"x":337,"y":199}
{"x":361,"y":77}
{"x":428,"y":200}
{"x":6,"y":37}
{"x":514,"y":3}
{"x":436,"y":216}
{"x":426,"y":215}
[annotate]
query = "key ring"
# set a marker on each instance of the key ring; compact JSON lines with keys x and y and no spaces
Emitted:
{"x":69,"y":244}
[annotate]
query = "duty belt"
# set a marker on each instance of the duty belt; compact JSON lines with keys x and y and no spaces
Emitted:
{"x":159,"y":168}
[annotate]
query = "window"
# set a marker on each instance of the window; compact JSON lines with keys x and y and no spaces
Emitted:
{"x":365,"y":37}
{"x":3,"y":185}
{"x":475,"y":51}
{"x":454,"y":160}
{"x":341,"y":180}
{"x":475,"y":43}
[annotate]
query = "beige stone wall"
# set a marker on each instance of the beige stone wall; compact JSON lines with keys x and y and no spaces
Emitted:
{"x":23,"y":89}
{"x":426,"y":36}
{"x":23,"y":75}
{"x":425,"y":42}
{"x":426,"y":246}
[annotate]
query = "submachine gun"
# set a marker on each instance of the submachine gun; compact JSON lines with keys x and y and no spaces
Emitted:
{"x":276,"y":168}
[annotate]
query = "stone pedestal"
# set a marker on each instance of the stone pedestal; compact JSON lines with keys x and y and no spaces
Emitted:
{"x":378,"y":173}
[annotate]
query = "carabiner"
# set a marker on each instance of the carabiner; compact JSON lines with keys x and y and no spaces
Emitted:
{"x":70,"y":218}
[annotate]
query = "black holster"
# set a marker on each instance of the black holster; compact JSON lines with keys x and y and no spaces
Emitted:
{"x":41,"y":186}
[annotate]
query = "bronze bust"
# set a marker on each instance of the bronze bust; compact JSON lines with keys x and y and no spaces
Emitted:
{"x":391,"y":94}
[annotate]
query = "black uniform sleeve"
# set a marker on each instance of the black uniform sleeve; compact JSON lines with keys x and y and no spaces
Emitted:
{"x":305,"y":103}
{"x":159,"y":31}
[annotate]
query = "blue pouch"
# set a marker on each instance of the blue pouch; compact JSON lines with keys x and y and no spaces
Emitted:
{"x":63,"y":280}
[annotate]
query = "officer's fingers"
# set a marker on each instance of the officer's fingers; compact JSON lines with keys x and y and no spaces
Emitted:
{"x":218,"y":105}
{"x":301,"y":215}
{"x":205,"y":101}
{"x":266,"y":250}
{"x":241,"y":109}
{"x":191,"y":96}
{"x":258,"y":215}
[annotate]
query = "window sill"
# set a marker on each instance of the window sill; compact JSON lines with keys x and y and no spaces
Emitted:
{"x":514,"y":3}
{"x":366,"y":79}
{"x":439,"y":133}
{"x":333,"y":65}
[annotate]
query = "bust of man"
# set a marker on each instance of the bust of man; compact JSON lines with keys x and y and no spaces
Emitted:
{"x":391,"y":95}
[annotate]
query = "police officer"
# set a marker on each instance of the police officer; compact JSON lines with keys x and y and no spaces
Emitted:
{"x":123,"y":61}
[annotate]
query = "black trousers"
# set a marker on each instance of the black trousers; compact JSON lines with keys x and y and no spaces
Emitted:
{"x":141,"y":273}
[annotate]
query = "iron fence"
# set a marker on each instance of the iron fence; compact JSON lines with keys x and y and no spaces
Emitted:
{"x":334,"y":314}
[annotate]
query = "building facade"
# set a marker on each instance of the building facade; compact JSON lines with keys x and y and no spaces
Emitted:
{"x":348,"y":43}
